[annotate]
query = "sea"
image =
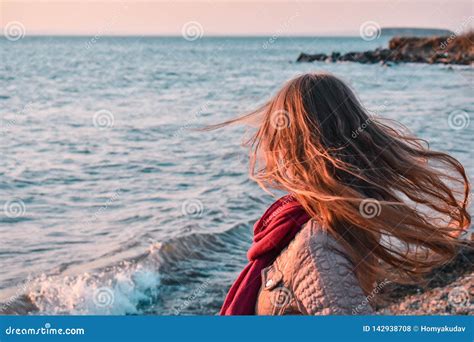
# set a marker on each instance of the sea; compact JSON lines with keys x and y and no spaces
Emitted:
{"x":112,"y":203}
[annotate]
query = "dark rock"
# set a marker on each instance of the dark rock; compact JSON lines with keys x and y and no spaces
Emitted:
{"x":350,"y":56}
{"x":446,"y":50}
{"x":335,"y":56}
{"x":311,"y":58}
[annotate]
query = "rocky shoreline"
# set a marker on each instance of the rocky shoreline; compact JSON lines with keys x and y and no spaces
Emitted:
{"x":432,"y":50}
{"x":450,"y":291}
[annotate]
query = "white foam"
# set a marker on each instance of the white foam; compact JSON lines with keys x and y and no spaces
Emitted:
{"x":115,"y":291}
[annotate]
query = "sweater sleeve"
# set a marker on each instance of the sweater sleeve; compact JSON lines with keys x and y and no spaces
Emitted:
{"x":324,"y":283}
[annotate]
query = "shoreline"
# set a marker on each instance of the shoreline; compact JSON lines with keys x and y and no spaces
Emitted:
{"x":449,"y":291}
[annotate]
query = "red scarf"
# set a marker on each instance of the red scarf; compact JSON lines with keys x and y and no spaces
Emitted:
{"x":272,"y":233}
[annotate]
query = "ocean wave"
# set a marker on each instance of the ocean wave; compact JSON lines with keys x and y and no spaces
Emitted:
{"x":137,"y":285}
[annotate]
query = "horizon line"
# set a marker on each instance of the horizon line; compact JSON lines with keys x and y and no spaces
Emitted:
{"x":229,"y":35}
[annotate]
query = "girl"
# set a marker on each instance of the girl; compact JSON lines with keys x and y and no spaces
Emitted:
{"x":366,"y":205}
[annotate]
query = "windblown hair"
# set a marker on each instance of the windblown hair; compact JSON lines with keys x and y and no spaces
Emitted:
{"x":397,"y":207}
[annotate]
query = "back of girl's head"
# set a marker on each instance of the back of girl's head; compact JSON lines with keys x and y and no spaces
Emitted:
{"x":397,"y":206}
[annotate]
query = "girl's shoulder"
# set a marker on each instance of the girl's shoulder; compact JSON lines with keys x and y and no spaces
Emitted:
{"x":313,"y":240}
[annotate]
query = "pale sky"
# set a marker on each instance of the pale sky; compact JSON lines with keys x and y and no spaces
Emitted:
{"x":219,"y":17}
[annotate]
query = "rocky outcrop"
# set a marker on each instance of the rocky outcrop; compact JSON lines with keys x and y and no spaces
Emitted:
{"x":455,"y":298}
{"x":446,"y":50}
{"x":449,"y":290}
